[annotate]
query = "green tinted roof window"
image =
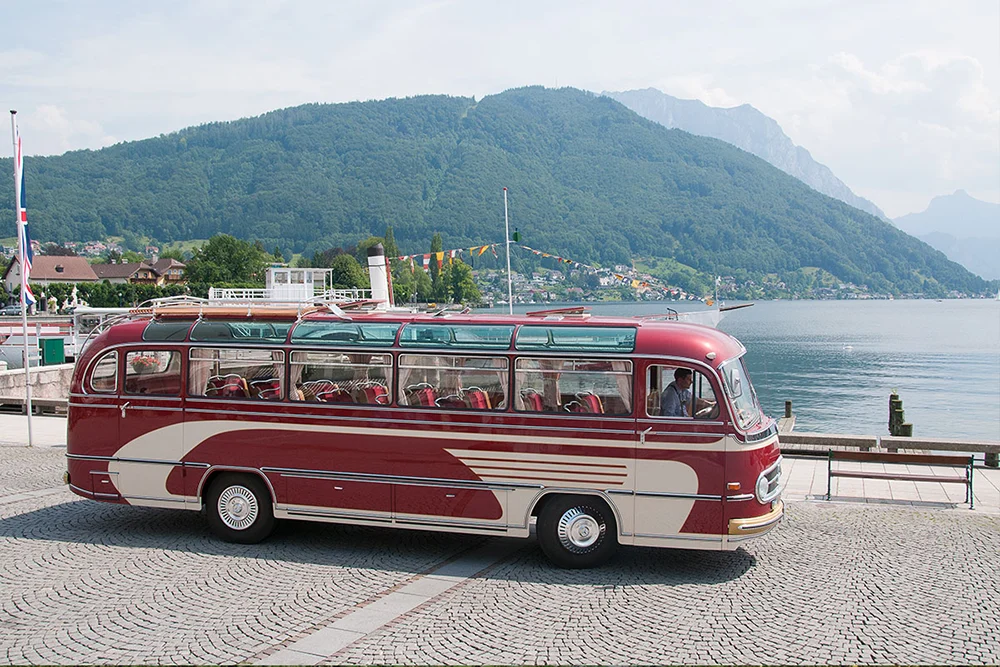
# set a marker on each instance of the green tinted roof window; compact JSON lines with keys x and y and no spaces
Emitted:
{"x":243,"y":331}
{"x":377,"y":334}
{"x":465,"y":336}
{"x":581,"y":339}
{"x":167,"y":330}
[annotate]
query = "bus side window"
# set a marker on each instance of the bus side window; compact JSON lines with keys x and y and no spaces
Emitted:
{"x":679,"y":392}
{"x":453,"y":382}
{"x":153,"y":372}
{"x":586,"y":386}
{"x":104,"y":375}
{"x":336,"y":377}
{"x":236,"y":373}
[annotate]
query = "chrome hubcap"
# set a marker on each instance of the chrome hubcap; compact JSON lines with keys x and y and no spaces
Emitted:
{"x":578,"y":530}
{"x":238,"y":507}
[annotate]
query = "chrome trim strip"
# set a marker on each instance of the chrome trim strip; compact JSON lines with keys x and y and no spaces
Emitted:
{"x":153,"y":408}
{"x":374,"y":478}
{"x":699,"y":538}
{"x":741,"y":497}
{"x":689,"y":434}
{"x":762,"y":524}
{"x":630,"y":433}
{"x":620,"y":492}
{"x":158,"y":499}
{"x":103,"y":472}
{"x":322,"y":513}
{"x":85,"y":457}
{"x":154,"y":397}
{"x":447,"y":522}
{"x":665,"y":494}
{"x":94,"y":405}
{"x":94,"y":494}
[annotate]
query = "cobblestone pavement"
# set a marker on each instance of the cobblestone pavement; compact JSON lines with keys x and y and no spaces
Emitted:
{"x":85,"y":582}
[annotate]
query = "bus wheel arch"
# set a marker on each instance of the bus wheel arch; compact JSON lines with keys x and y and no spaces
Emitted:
{"x":576,"y":530}
{"x":239,"y":506}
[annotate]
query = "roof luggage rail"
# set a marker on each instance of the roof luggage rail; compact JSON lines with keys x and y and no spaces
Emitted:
{"x":571,"y":311}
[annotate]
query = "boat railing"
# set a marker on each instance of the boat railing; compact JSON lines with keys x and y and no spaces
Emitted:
{"x":280,"y":295}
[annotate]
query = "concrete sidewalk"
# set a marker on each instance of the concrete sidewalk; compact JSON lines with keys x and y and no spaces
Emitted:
{"x":47,"y":430}
{"x":805,"y":478}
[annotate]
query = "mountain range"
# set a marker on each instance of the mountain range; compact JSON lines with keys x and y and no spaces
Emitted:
{"x":588,"y":179}
{"x":964,"y":228}
{"x":747,"y":128}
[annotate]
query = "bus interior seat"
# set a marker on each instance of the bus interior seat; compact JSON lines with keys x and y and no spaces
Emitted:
{"x":477,"y":398}
{"x":533,"y":401}
{"x":591,"y":402}
{"x":376,"y":394}
{"x":234,"y":386}
{"x":269,"y":389}
{"x":421,"y":394}
{"x":450,"y":401}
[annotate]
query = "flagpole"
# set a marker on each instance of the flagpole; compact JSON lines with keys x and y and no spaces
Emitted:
{"x":510,"y":284}
{"x":20,"y":246}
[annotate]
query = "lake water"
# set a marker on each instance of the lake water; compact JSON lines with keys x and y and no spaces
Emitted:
{"x":838,"y":361}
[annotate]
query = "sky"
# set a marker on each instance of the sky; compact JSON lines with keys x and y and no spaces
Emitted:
{"x":901,"y":99}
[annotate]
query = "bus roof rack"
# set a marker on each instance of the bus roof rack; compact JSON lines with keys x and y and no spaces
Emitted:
{"x":571,"y":311}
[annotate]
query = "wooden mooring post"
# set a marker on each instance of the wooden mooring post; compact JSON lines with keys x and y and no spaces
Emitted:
{"x":897,"y":424}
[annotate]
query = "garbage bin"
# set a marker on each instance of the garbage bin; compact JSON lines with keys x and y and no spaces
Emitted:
{"x":53,"y":351}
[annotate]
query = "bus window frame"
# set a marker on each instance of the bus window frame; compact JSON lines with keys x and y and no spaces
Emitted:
{"x":558,"y":355}
{"x":283,"y":381}
{"x":88,"y":385}
{"x":695,"y":366}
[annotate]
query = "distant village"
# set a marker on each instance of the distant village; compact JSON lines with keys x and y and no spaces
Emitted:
{"x":622,"y":283}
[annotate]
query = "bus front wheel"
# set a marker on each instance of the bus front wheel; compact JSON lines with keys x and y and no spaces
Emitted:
{"x":239,"y":508}
{"x":577,"y":531}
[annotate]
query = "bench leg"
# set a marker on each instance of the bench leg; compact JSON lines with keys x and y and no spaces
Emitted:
{"x":968,"y":489}
{"x":829,"y":476}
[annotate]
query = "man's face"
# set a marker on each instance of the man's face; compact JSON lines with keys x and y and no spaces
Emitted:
{"x":685,"y":381}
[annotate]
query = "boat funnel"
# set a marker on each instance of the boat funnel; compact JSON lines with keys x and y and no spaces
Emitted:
{"x":378,"y":275}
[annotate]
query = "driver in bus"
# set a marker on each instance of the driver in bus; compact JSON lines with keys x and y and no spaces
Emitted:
{"x":676,"y":398}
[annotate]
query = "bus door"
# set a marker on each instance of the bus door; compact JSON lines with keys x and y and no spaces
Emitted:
{"x":680,"y":456}
{"x":93,"y":428}
{"x":150,"y":423}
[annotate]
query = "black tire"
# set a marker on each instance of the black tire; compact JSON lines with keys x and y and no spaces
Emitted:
{"x":239,"y":508}
{"x":577,"y":531}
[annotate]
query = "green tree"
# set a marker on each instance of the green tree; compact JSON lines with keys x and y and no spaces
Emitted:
{"x":391,"y":250}
{"x":173,"y":253}
{"x":463,"y":287}
{"x":347,"y":272}
{"x":225,"y":259}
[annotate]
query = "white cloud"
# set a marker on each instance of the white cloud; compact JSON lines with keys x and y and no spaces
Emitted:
{"x":894,"y":96}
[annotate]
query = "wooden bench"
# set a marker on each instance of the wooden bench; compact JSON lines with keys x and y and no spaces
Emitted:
{"x":902,"y":459}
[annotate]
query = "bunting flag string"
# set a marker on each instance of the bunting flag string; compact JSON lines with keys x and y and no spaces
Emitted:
{"x":624,"y":280}
{"x":480,"y":250}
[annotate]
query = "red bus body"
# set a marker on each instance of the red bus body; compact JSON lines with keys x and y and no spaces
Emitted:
{"x":689,"y":483}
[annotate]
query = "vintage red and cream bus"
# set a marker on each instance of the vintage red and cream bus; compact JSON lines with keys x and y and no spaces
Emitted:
{"x":593,"y":431}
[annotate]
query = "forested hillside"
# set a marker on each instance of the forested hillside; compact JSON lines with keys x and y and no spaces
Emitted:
{"x":587,"y":179}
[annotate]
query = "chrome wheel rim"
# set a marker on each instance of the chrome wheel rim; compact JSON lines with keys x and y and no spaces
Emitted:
{"x":238,"y":507}
{"x":579,"y":530}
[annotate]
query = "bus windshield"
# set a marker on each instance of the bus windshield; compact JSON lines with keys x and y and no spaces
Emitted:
{"x":741,"y":393}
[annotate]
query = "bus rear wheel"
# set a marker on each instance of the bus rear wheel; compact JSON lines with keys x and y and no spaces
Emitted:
{"x":577,"y":531}
{"x":239,"y":508}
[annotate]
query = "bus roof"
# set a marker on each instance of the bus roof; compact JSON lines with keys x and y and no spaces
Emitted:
{"x":653,"y":337}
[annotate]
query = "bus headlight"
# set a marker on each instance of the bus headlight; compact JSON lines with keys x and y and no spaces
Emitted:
{"x":762,"y":487}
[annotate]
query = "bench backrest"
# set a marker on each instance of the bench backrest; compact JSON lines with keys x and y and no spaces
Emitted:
{"x":894,"y":457}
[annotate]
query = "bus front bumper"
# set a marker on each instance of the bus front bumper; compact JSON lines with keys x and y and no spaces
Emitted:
{"x":758,"y":524}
